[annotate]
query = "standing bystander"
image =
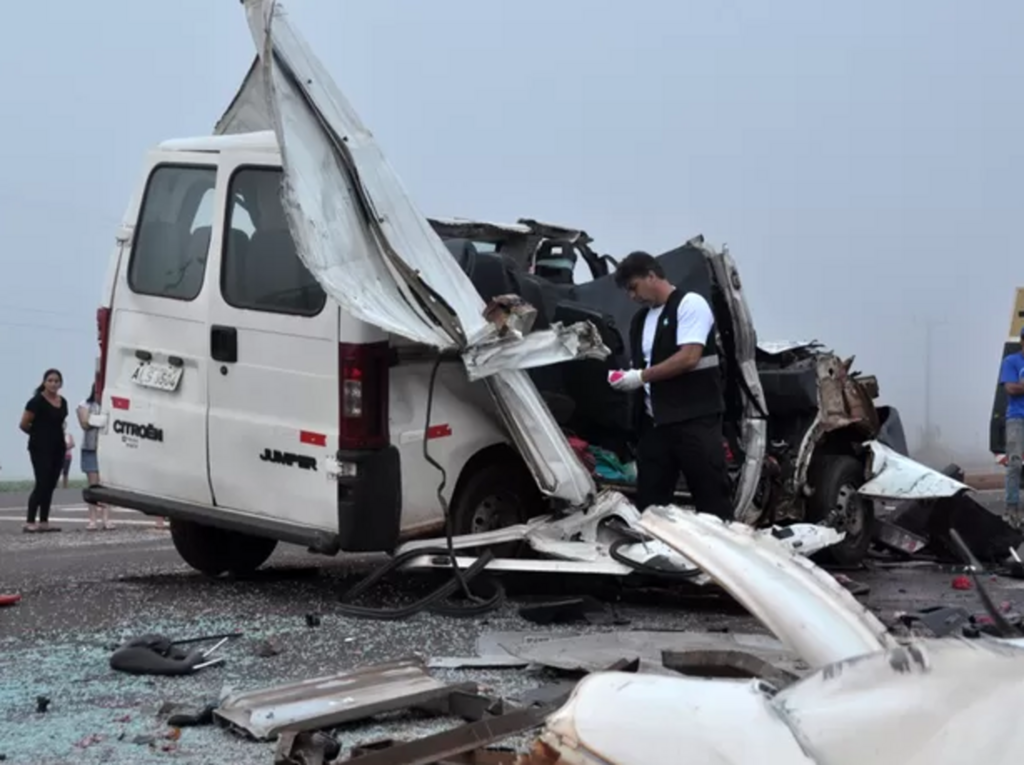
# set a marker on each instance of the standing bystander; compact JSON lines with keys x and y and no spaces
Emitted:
{"x":1011,"y":376}
{"x":43,"y":420}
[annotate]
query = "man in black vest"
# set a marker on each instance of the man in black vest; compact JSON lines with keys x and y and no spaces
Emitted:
{"x":678,"y":387}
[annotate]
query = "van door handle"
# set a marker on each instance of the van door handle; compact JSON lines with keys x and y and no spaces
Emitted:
{"x":224,"y":344}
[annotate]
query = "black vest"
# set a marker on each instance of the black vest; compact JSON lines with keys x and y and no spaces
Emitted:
{"x":697,"y":393}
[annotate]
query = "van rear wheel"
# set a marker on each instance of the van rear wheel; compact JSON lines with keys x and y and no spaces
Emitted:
{"x":247,"y":553}
{"x":499,"y":494}
{"x":201,"y":547}
{"x":213,"y":551}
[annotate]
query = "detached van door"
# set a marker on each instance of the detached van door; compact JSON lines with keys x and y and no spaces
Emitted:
{"x":156,"y":373}
{"x":273,"y":362}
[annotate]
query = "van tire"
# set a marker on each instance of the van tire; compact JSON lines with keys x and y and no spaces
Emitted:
{"x":836,"y":479}
{"x":499,"y":494}
{"x":247,"y":553}
{"x":201,"y":547}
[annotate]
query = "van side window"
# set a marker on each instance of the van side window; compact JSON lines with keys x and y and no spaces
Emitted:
{"x":172,"y":239}
{"x":260,"y":269}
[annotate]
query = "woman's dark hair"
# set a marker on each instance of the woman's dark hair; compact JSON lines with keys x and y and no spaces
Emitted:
{"x":47,"y":373}
{"x":92,"y":395}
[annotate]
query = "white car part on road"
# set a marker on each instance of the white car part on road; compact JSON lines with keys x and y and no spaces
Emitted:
{"x":809,"y":611}
{"x":894,"y":476}
{"x":932,"y":702}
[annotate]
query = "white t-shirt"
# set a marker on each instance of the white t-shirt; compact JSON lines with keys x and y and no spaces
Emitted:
{"x":694,"y":320}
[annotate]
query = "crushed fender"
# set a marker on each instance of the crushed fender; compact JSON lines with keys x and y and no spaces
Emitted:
{"x":808,"y":610}
{"x":957,"y":687}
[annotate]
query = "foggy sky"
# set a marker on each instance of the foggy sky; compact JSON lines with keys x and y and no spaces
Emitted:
{"x":862,"y":160}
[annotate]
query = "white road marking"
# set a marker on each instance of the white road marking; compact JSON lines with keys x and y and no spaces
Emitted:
{"x":20,"y":518}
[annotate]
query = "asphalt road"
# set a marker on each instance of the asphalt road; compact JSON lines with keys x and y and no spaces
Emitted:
{"x":83,"y":593}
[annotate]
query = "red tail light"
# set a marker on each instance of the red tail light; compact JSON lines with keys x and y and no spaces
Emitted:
{"x":103,"y":330}
{"x":363,"y":395}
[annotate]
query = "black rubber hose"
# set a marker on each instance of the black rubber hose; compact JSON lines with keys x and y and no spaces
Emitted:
{"x":642,"y":568}
{"x":478,"y":606}
{"x":437,"y":596}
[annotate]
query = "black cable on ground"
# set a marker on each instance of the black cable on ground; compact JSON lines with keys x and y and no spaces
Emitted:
{"x":430,"y":601}
{"x":686,"y":574}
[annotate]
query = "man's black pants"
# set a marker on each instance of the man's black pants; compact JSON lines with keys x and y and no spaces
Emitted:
{"x":694,"y":448}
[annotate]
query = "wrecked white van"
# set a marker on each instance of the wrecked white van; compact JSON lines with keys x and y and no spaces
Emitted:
{"x":291,"y":352}
{"x":248,"y":406}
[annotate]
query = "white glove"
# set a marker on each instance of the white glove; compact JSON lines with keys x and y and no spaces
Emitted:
{"x":626,"y":379}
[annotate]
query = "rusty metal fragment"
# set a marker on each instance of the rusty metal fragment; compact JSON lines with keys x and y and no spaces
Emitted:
{"x":442,"y":747}
{"x":510,"y":313}
{"x":327,"y":701}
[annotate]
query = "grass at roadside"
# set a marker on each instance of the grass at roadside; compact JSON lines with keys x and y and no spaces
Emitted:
{"x":7,"y":487}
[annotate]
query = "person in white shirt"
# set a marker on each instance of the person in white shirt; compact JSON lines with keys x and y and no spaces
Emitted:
{"x":678,"y":388}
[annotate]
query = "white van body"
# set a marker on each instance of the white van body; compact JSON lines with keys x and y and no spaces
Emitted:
{"x":221,"y":371}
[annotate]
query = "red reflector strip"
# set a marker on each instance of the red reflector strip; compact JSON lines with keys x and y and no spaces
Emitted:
{"x":313,"y":439}
{"x":439,"y":431}
{"x":120,"y":403}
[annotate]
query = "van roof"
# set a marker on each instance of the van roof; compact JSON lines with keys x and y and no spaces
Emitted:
{"x":264,"y":140}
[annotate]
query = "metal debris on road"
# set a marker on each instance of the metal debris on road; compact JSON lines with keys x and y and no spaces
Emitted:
{"x":328,"y":701}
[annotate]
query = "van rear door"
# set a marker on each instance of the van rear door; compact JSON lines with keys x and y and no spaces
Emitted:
{"x":156,"y":370}
{"x":273,"y":361}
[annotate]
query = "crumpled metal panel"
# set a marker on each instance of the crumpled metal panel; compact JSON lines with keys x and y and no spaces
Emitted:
{"x":355,"y":228}
{"x":536,"y":349}
{"x":808,"y":610}
{"x":584,"y":539}
{"x":358,"y":232}
{"x":326,"y":701}
{"x":932,"y":702}
{"x":774,"y":347}
{"x":894,"y":476}
{"x":754,"y":423}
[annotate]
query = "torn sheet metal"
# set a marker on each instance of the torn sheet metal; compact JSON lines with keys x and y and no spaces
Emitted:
{"x":581,"y":542}
{"x":538,"y":439}
{"x":808,"y":610}
{"x":754,"y":422}
{"x":331,"y":700}
{"x":894,"y":476}
{"x":363,"y":240}
{"x":775,"y":347}
{"x":346,"y":207}
{"x":934,"y":702}
{"x":711,"y":721}
{"x":593,"y":652}
{"x":536,"y":349}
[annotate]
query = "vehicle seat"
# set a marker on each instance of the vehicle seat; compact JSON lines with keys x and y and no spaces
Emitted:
{"x":555,"y":261}
{"x":274,"y":275}
{"x":464,"y":252}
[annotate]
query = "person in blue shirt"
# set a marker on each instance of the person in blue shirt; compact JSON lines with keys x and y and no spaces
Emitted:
{"x":1011,"y":377}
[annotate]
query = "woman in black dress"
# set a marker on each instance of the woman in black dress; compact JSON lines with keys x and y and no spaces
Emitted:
{"x":43,"y":420}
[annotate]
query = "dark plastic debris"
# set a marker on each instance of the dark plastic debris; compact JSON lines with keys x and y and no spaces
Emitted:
{"x":154,"y":655}
{"x":42,"y":704}
{"x":568,"y":611}
{"x":312,"y":620}
{"x":192,"y":719}
{"x":939,"y":620}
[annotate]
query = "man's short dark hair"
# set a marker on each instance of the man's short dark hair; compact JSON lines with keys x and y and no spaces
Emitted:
{"x":637,"y":265}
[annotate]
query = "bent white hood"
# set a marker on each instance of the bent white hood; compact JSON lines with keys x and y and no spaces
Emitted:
{"x":368,"y":246}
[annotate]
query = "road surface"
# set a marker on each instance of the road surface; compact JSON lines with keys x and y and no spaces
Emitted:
{"x":84,"y":593}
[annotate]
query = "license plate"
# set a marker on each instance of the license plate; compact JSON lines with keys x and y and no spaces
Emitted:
{"x":158,"y":376}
